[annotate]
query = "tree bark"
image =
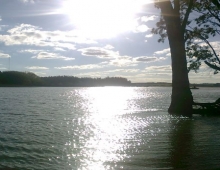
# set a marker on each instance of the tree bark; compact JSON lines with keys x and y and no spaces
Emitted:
{"x":181,"y":98}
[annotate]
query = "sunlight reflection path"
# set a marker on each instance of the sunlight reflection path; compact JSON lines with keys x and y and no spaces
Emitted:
{"x":106,"y":108}
{"x":110,"y":126}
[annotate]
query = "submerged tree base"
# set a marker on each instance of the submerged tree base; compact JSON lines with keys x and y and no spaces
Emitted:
{"x":204,"y":109}
{"x":207,"y":109}
{"x":181,"y":102}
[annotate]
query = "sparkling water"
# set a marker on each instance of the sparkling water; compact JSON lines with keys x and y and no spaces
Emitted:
{"x":103,"y":128}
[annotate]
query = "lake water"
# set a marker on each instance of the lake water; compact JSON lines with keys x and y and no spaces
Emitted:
{"x":103,"y":128}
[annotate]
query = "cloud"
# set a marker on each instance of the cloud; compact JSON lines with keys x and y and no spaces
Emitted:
{"x":2,"y":55}
{"x":26,"y":34}
{"x":2,"y":27}
{"x":116,"y":73}
{"x":204,"y":74}
{"x":109,"y":47}
{"x":147,"y":18}
{"x":141,"y":28}
{"x":124,"y":70}
{"x":39,"y":73}
{"x":37,"y":68}
{"x":26,"y":29}
{"x":198,"y":41}
{"x":216,"y":45}
{"x":3,"y":68}
{"x":92,"y":74}
{"x":99,"y":52}
{"x":162,"y":52}
{"x":163,"y":68}
{"x":27,"y":1}
{"x":149,"y":35}
{"x":31,"y":51}
{"x":162,"y":73}
{"x":59,"y":49}
{"x":148,"y":59}
{"x":115,"y":58}
{"x":49,"y":56}
{"x":123,"y":61}
{"x":80,"y":67}
{"x":168,"y":54}
{"x":74,"y":36}
{"x":23,"y":34}
{"x":149,"y":77}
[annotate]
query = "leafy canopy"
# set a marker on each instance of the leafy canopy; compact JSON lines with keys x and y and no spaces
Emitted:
{"x":200,"y":20}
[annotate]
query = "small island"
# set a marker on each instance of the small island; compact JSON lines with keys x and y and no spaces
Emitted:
{"x":194,"y":87}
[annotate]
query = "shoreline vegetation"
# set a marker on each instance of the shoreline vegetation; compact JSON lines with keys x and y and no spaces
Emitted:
{"x":28,"y":79}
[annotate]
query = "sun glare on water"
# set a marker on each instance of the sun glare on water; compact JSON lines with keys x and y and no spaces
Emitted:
{"x":102,"y":18}
{"x":107,"y":107}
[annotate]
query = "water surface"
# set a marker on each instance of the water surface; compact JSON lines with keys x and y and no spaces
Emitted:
{"x":104,"y":128}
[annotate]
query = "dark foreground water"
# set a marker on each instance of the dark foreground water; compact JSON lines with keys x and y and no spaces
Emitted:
{"x":104,"y":128}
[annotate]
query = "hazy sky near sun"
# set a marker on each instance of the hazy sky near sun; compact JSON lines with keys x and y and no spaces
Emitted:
{"x":87,"y":38}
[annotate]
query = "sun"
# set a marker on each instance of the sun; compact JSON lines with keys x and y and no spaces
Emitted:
{"x":102,"y":18}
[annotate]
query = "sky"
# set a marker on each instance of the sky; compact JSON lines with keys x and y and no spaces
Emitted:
{"x":88,"y":38}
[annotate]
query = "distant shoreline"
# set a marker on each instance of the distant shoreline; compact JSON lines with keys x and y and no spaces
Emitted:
{"x":163,"y":84}
{"x":28,"y":79}
{"x":130,"y":85}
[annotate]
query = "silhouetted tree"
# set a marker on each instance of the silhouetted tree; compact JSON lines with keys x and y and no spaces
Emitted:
{"x":173,"y":24}
{"x":183,"y":33}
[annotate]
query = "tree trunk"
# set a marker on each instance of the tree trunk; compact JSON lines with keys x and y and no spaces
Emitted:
{"x":181,"y":99}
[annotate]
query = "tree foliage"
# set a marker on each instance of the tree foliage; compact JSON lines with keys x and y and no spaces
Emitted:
{"x":216,"y":3}
{"x":16,"y":78}
{"x":203,"y":23}
{"x":208,"y":24}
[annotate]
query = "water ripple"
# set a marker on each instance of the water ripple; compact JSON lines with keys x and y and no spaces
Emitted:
{"x":102,"y":128}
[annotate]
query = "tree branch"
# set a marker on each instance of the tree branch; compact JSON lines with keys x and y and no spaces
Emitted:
{"x":213,"y":14}
{"x":187,"y":15}
{"x":212,"y":66}
{"x":207,"y":42}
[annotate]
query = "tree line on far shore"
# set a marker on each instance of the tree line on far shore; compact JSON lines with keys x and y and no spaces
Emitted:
{"x":16,"y":78}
